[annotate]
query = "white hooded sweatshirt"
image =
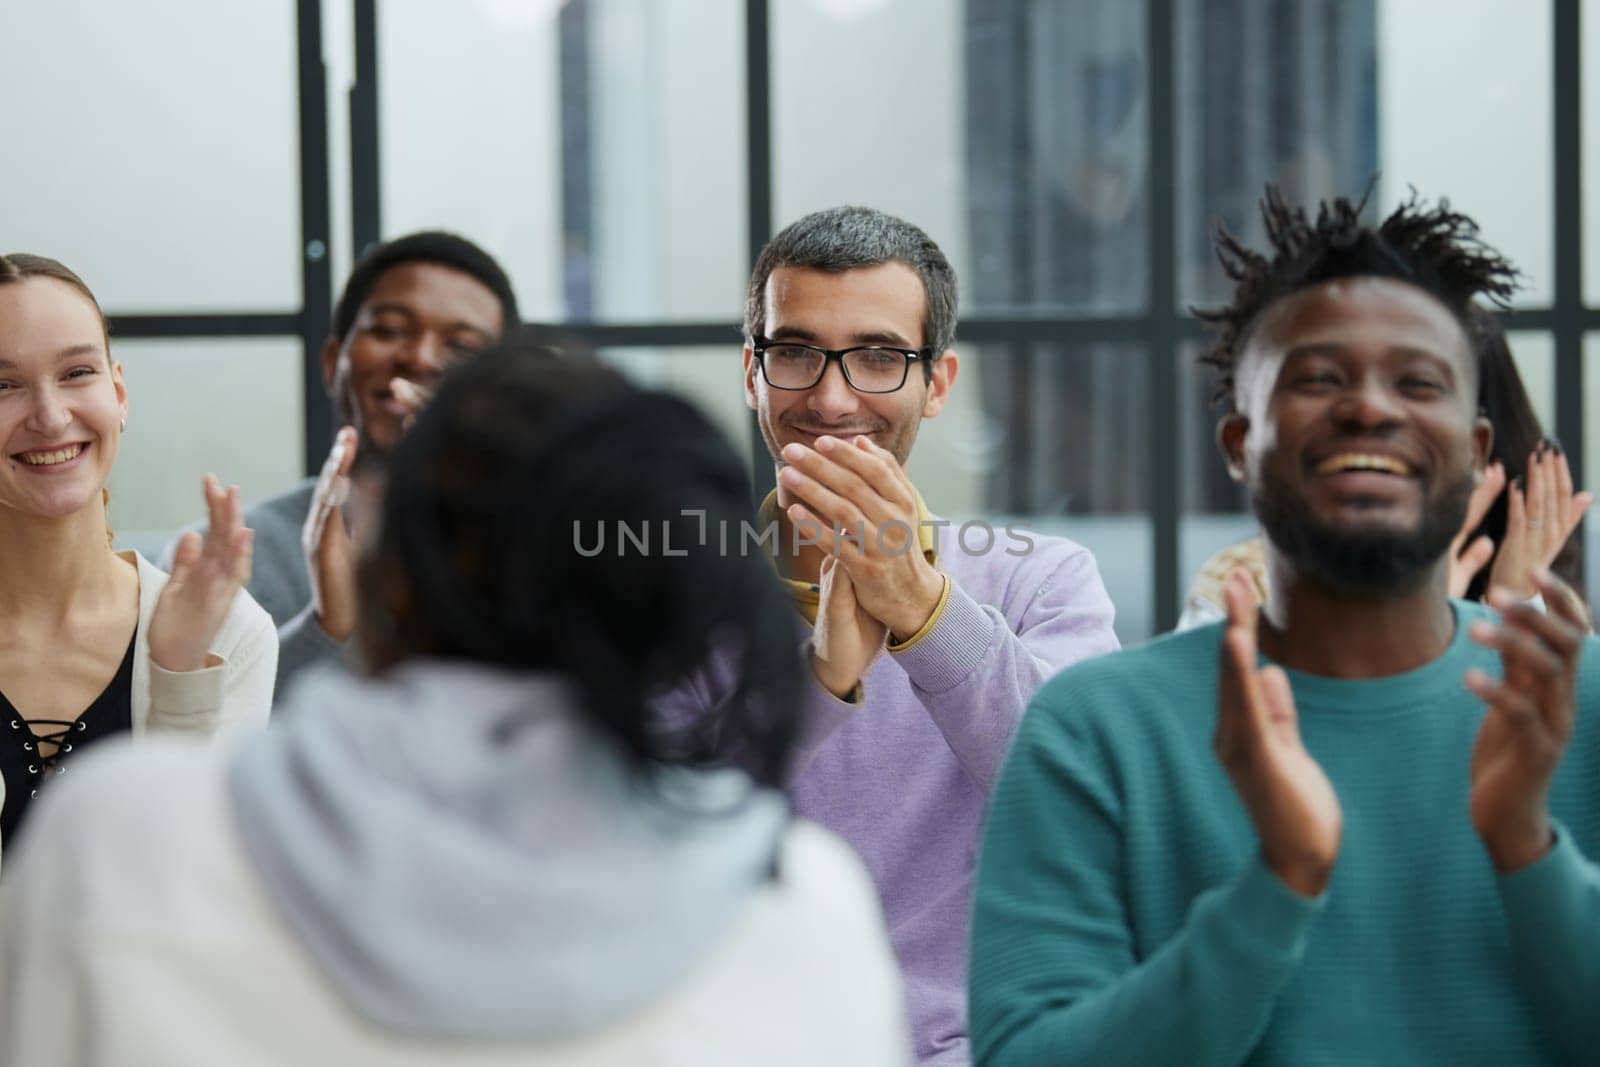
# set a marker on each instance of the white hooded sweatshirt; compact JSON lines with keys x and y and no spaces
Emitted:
{"x":443,"y":867}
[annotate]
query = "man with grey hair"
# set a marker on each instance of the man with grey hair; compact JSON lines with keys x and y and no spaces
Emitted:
{"x":925,"y":652}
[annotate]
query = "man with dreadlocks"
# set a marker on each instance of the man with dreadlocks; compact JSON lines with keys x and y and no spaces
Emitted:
{"x":1357,"y":825}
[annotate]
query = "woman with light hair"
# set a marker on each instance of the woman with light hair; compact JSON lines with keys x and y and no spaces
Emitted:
{"x":95,"y":642}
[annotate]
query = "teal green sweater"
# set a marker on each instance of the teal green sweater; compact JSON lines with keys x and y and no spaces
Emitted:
{"x":1123,"y":914}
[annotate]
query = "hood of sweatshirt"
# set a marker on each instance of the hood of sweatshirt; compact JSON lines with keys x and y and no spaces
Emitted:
{"x":464,"y":858}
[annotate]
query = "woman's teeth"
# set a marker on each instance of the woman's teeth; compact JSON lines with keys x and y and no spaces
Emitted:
{"x":50,"y":459}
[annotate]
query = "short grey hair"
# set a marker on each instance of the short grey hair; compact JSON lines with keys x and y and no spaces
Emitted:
{"x":843,"y":238}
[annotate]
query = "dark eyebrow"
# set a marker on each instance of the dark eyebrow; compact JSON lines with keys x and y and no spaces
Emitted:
{"x":453,"y":327}
{"x":883,"y":337}
{"x":72,"y":352}
{"x":793,"y":333}
{"x":391,"y":309}
{"x":1333,"y":348}
{"x":871,"y":337}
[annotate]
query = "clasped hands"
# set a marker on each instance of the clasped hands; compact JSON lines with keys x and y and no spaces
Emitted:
{"x":1529,"y":720}
{"x":855,"y":502}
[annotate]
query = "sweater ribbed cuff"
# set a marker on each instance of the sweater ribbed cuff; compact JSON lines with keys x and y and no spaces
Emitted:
{"x":1549,"y":899}
{"x":948,"y":654}
{"x":186,"y":700}
{"x":1267,"y":914}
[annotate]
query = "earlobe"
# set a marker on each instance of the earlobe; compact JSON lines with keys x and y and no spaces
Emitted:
{"x":121,"y":390}
{"x":1482,"y":443}
{"x":750,"y":379}
{"x":330,"y":362}
{"x":1231,"y":432}
{"x":943,"y":376}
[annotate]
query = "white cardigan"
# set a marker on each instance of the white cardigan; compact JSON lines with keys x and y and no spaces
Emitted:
{"x":227,"y":701}
{"x":117,"y":957}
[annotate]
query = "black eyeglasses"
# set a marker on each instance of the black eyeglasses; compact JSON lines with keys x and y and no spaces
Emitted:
{"x":867,"y":368}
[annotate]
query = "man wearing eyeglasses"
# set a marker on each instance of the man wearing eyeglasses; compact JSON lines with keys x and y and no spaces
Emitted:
{"x":925,"y":653}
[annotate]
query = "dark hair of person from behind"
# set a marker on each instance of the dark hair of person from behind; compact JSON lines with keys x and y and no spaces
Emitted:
{"x":1429,"y":246}
{"x":429,"y":246}
{"x":1503,"y":400}
{"x":515,"y":464}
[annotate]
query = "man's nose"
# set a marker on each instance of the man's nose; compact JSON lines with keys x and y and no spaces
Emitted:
{"x":423,"y":356}
{"x":1368,"y":402}
{"x":832,"y":396}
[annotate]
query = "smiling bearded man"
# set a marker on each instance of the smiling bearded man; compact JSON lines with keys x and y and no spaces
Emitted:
{"x":1354,"y":826}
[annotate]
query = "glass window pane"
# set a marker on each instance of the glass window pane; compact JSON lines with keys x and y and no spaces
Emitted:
{"x":1203,"y":476}
{"x":1590,"y":106}
{"x":177,"y":431}
{"x":595,"y":147}
{"x":1535,"y":354}
{"x":1013,"y":132}
{"x":1013,"y":444}
{"x":1058,"y":156}
{"x":1302,"y":117}
{"x":1464,"y":104}
{"x":151,"y":154}
{"x":1215,"y":509}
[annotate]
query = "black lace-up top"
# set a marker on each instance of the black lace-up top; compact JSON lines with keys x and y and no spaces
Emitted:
{"x":22,"y":764}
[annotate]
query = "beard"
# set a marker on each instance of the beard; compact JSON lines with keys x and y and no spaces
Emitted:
{"x":1374,"y":562}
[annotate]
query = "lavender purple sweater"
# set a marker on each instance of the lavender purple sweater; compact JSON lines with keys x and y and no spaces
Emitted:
{"x":905,"y":776}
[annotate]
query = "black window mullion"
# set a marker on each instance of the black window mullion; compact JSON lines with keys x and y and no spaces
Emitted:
{"x":365,"y":181}
{"x":315,"y":225}
{"x":758,"y":188}
{"x":1162,"y":316}
{"x":1569,"y":316}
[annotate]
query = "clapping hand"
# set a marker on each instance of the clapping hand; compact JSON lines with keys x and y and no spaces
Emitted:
{"x":328,"y":545}
{"x":846,"y":639}
{"x":858,"y":489}
{"x":1290,"y":801}
{"x":1538,"y":521}
{"x":1466,"y":562}
{"x":1529,"y":721}
{"x":207,"y":574}
{"x":1540,"y":517}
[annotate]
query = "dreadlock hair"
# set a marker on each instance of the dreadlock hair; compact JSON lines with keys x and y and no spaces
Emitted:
{"x":1433,"y":248}
{"x":484,"y":552}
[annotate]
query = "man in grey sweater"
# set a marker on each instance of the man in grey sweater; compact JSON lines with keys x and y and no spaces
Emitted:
{"x":411,"y":307}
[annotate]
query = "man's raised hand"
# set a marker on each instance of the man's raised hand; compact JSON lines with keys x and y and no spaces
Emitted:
{"x":1529,"y":721}
{"x":846,"y":638}
{"x":329,"y":548}
{"x":859,"y":490}
{"x":1288,"y":797}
